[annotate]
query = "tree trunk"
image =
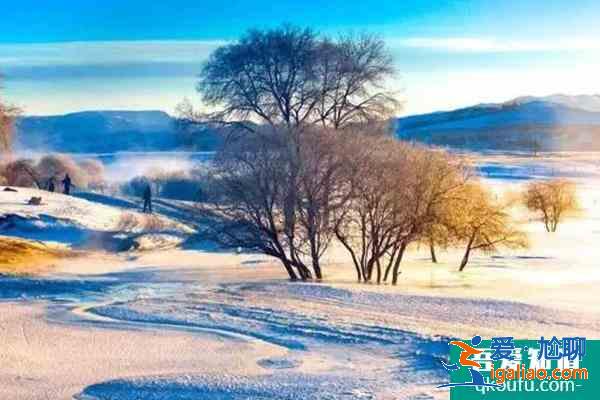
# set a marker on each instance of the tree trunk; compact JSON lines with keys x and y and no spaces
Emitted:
{"x":388,"y":268}
{"x":358,"y":273}
{"x":432,"y":251}
{"x":314,"y":253}
{"x":303,"y":271}
{"x":396,"y":271}
{"x":547,"y":224}
{"x":465,"y":259}
{"x":289,"y":270}
{"x":317,"y":269}
{"x":378,"y":272}
{"x":352,"y":254}
{"x":367,"y":274}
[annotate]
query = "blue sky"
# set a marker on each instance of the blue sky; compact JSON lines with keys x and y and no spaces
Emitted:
{"x":62,"y":56}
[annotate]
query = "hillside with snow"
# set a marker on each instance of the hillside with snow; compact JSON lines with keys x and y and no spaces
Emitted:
{"x":88,"y":221}
{"x":553,"y":123}
{"x":109,"y":132}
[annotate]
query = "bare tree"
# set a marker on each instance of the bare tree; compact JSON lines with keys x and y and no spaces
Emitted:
{"x":370,"y":224}
{"x":552,"y":200}
{"x":56,"y":166}
{"x":289,"y":82}
{"x":434,"y":179}
{"x":351,"y":74}
{"x":324,"y":193}
{"x":482,"y":223}
{"x":399,"y":192}
{"x":245,"y":195}
{"x":292,"y":77}
{"x":8,"y":114}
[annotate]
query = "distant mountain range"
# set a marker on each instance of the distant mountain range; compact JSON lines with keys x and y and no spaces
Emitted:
{"x":552,"y":123}
{"x":109,"y":131}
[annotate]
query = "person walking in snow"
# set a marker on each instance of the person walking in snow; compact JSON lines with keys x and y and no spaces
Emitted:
{"x":67,"y":184}
{"x":51,"y":185}
{"x":148,"y":199}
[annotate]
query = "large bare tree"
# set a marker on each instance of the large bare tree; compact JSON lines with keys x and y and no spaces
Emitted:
{"x":292,"y":77}
{"x":371,"y":221}
{"x":244,"y":197}
{"x":299,"y":91}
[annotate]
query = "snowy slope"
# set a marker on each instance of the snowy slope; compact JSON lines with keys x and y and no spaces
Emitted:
{"x":77,"y":222}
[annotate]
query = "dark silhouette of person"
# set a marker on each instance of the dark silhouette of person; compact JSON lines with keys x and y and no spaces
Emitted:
{"x":67,"y":184}
{"x":147,"y":200}
{"x":51,"y":185}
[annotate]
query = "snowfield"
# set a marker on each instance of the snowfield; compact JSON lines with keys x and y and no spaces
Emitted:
{"x":181,"y":323}
{"x":100,"y":223}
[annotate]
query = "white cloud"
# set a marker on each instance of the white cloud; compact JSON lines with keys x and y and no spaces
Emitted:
{"x":117,"y":52}
{"x":490,"y":45}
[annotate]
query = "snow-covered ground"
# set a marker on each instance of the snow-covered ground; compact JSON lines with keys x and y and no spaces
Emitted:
{"x":86,"y":220}
{"x":188,"y":324}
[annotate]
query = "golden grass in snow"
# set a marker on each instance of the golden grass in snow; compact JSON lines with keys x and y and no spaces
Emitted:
{"x":22,"y":257}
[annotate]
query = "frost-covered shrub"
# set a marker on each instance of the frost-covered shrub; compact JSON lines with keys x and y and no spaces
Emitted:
{"x":94,"y":171}
{"x":180,"y":188}
{"x":57,"y":166}
{"x":31,"y":173}
{"x":20,"y":172}
{"x":172,"y":185}
{"x":135,"y":187}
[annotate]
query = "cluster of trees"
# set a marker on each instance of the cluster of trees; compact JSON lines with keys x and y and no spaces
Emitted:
{"x":309,"y":160}
{"x":86,"y":173}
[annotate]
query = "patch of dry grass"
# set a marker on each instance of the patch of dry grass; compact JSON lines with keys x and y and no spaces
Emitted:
{"x":21,"y":257}
{"x":129,"y":222}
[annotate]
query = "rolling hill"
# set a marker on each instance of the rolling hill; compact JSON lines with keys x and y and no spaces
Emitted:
{"x":108,"y":132}
{"x":553,"y":123}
